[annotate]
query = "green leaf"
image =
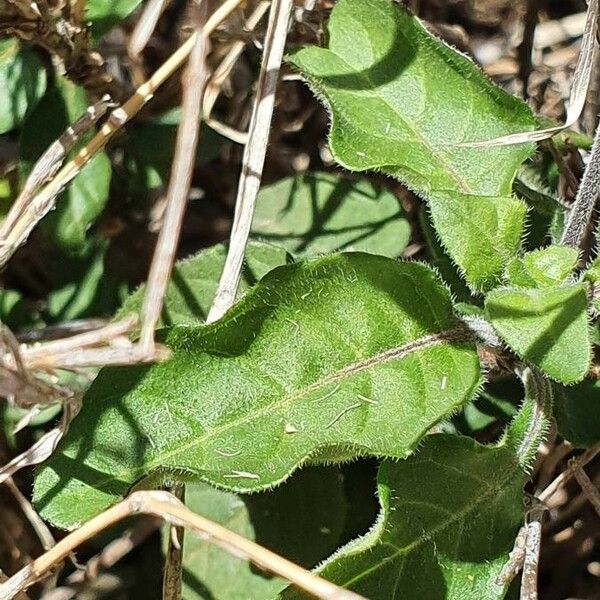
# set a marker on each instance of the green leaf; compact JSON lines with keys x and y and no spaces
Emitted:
{"x":320,"y":213}
{"x":22,"y":83}
{"x":348,"y":350}
{"x":103,"y":15}
{"x":83,"y":284}
{"x":401,"y":101}
{"x":546,"y":326}
{"x":194,"y":281}
{"x":149,"y":146}
{"x":302,"y":520}
{"x":545,"y":267}
{"x":83,"y":201}
{"x":449,"y":515}
{"x":577,"y":412}
{"x":439,"y":259}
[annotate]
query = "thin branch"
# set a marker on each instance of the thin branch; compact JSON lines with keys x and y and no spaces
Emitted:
{"x":167,"y":507}
{"x":110,"y":555}
{"x":213,"y":89}
{"x":145,"y":27}
{"x":41,"y":529}
{"x":588,"y":488}
{"x":582,"y":210}
{"x":533,"y":543}
{"x":577,"y":463}
{"x":194,"y":82}
{"x":254,"y":157}
{"x":579,"y":89}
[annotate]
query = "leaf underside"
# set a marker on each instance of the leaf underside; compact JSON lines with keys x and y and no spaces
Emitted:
{"x":401,"y":101}
{"x":348,"y":350}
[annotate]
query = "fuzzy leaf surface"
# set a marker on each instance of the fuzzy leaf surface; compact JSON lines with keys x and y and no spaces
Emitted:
{"x":401,"y":101}
{"x":22,"y":83}
{"x":545,"y":267}
{"x":348,"y":350}
{"x":449,"y":515}
{"x":546,"y":326}
{"x":194,"y":281}
{"x":319,"y":213}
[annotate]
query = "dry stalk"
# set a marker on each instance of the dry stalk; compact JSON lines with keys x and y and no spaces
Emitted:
{"x":579,"y":89}
{"x":194,"y":83}
{"x":110,"y":555}
{"x":254,"y":157}
{"x":575,"y":464}
{"x":44,"y":200}
{"x":213,"y":89}
{"x":171,"y":510}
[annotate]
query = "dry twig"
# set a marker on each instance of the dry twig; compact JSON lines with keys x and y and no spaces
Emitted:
{"x":254,"y":157}
{"x":168,"y":508}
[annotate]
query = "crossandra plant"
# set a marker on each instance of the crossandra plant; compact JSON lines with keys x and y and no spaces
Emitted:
{"x":345,"y":366}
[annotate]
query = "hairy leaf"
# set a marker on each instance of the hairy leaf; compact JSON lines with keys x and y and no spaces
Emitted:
{"x":449,"y":515}
{"x":302,"y":520}
{"x":84,"y":199}
{"x":545,"y":267}
{"x":22,"y":83}
{"x":401,"y":101}
{"x":194,"y":281}
{"x":319,"y":213}
{"x":348,"y":350}
{"x":546,"y":326}
{"x":577,"y":412}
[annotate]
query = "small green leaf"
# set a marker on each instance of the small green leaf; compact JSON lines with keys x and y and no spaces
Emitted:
{"x":546,"y":326}
{"x":103,"y":15}
{"x":402,"y":101}
{"x":347,"y":350}
{"x":194,"y":281}
{"x":82,"y":286}
{"x":439,"y":259}
{"x":82,"y":202}
{"x":22,"y":83}
{"x":545,"y":267}
{"x":577,"y":412}
{"x":320,"y":213}
{"x":449,"y":515}
{"x":302,"y":520}
{"x":149,"y":146}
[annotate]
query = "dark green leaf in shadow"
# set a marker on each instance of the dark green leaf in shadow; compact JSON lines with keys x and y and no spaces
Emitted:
{"x":302,"y":520}
{"x":577,"y":412}
{"x":149,"y":147}
{"x":194,"y":281}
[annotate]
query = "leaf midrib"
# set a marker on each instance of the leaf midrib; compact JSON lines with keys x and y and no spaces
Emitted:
{"x":458,"y":335}
{"x":498,"y":491}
